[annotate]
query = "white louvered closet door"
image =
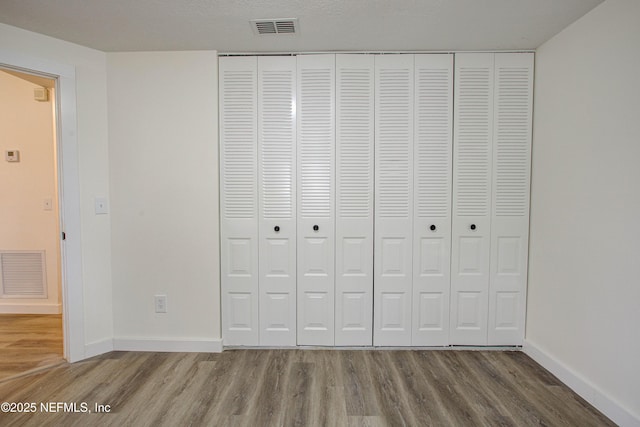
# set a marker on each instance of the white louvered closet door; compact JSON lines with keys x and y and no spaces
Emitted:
{"x":277,"y":199}
{"x":239,"y":200}
{"x":316,"y":195}
{"x":510,"y":219}
{"x":432,"y":199}
{"x":393,"y":246}
{"x":472,"y":161}
{"x":354,"y":199}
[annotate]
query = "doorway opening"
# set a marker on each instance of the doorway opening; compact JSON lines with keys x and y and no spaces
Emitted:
{"x":31,"y":332}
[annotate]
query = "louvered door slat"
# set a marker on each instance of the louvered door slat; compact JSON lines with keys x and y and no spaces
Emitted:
{"x":472,"y":161}
{"x":316,"y":198}
{"x":277,"y":199}
{"x":354,"y":199}
{"x":432,"y":199}
{"x":239,"y":200}
{"x":510,"y":219}
{"x":393,"y":199}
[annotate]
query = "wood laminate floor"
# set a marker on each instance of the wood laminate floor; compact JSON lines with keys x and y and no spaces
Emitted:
{"x":29,"y":341}
{"x":303,"y":388}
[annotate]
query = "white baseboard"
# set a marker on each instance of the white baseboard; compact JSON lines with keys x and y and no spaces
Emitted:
{"x":30,"y":308}
{"x":589,"y":392}
{"x":168,"y":345}
{"x":97,"y":348}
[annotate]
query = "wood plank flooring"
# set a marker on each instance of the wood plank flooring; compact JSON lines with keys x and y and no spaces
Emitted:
{"x":29,"y":341}
{"x":303,"y":388}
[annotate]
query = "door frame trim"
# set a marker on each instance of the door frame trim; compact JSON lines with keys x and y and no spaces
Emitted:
{"x":69,"y":193}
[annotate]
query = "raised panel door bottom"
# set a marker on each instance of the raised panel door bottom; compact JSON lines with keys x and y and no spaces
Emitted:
{"x":353,"y":311}
{"x":239,"y":311}
{"x":276,"y":311}
{"x":431,"y":311}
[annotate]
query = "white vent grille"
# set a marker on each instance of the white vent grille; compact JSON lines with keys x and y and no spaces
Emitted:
{"x":239,"y":177}
{"x":355,"y":134}
{"x":275,"y":26}
{"x":433,"y":139}
{"x":394,"y":102}
{"x":22,"y":274}
{"x":473,"y":141}
{"x":316,"y":135}
{"x":512,"y":141}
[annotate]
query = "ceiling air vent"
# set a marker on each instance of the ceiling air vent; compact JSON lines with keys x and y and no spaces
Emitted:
{"x":275,"y":26}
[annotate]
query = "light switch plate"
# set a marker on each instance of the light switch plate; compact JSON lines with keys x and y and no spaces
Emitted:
{"x":102,"y":206}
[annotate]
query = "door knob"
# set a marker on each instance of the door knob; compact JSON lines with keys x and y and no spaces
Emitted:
{"x":472,"y":226}
{"x":276,"y":228}
{"x":432,"y":227}
{"x":316,"y":228}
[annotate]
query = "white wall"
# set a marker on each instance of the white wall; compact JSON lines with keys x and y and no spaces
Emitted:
{"x":27,"y":125}
{"x":584,"y":281}
{"x":164,"y":179}
{"x":92,"y":138}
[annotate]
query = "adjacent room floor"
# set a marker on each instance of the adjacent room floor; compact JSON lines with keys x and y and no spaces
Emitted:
{"x":302,"y":387}
{"x":29,"y":341}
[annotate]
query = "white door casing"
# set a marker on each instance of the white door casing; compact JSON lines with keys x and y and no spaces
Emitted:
{"x":316,"y":199}
{"x":277,"y":199}
{"x":354,"y":199}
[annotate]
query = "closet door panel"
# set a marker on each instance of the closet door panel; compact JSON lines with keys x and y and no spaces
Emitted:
{"x":239,"y":200}
{"x":393,"y":272}
{"x":472,"y":162}
{"x":432,"y":198}
{"x":354,"y":199}
{"x":277,"y":199}
{"x":316,"y":198}
{"x":510,"y":203}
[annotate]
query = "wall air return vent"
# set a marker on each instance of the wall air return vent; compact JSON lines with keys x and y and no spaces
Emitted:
{"x":275,"y":26}
{"x":22,"y":274}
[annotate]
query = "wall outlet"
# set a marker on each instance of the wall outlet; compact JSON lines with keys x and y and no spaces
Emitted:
{"x":161,"y":303}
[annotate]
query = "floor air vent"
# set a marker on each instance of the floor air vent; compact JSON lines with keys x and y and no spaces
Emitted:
{"x":22,"y":274}
{"x":275,"y":26}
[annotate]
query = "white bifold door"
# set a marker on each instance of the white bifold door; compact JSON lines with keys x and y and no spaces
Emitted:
{"x":316,"y":199}
{"x":393,"y":269}
{"x":492,"y":144}
{"x":354,"y":200}
{"x":414,"y":100}
{"x":432,"y":199}
{"x":277,"y":199}
{"x":239,"y":200}
{"x":375,"y":199}
{"x":513,"y":99}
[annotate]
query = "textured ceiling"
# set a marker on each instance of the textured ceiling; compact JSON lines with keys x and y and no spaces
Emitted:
{"x":334,"y":25}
